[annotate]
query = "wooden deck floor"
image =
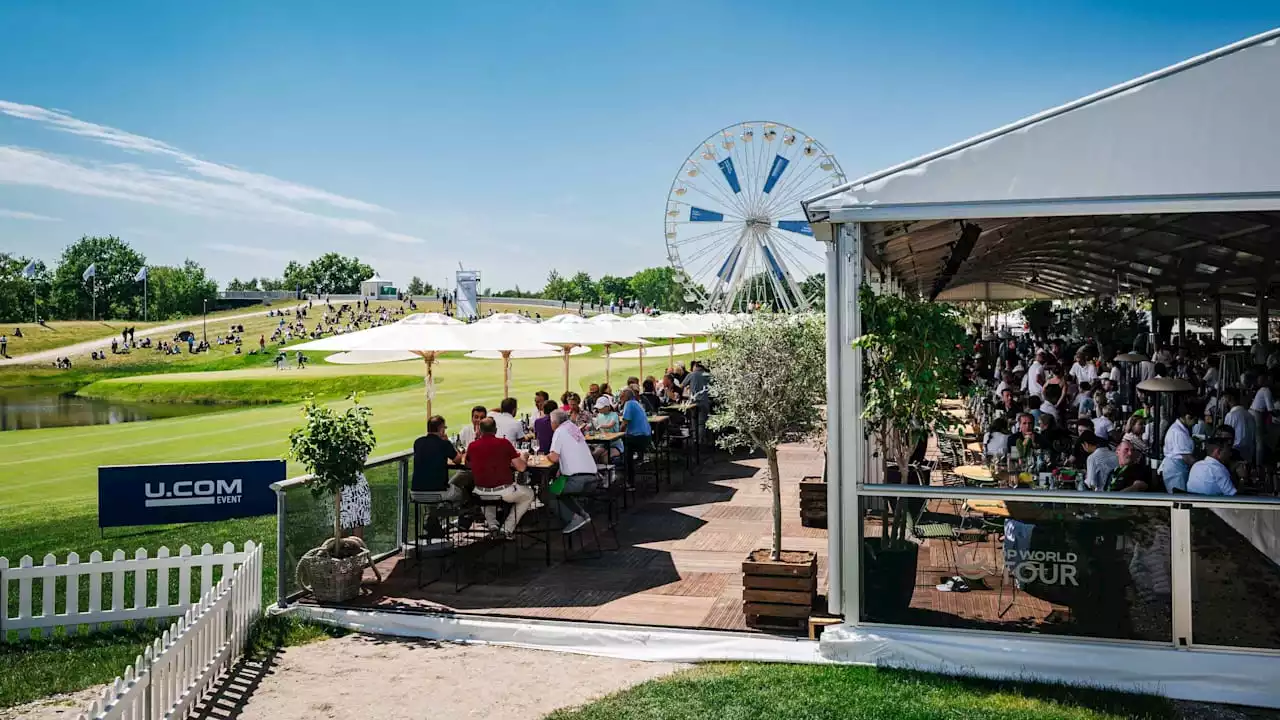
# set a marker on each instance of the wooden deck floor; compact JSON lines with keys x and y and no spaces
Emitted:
{"x":680,"y":563}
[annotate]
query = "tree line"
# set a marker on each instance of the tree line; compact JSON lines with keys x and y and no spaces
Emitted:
{"x":66,"y":290}
{"x":61,"y":290}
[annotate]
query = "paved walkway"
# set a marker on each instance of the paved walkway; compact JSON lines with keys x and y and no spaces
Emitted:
{"x":52,"y":354}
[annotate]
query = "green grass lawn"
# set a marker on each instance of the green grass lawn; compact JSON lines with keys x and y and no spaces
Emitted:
{"x":275,"y":387}
{"x":60,"y":333}
{"x":827,"y":692}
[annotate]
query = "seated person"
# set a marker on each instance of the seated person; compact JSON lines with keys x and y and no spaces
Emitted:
{"x":1023,"y":441}
{"x":493,"y":460}
{"x":570,"y":450}
{"x":433,"y":455}
{"x":1053,"y":438}
{"x":606,"y":420}
{"x":1210,"y":476}
{"x":542,"y":430}
{"x":1100,"y":462}
{"x":471,"y":432}
{"x":1133,"y":474}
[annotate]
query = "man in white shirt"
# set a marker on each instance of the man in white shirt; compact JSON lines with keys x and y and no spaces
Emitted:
{"x":578,"y":467}
{"x":1260,"y":409}
{"x":1006,"y":381}
{"x":1210,"y":476}
{"x":508,"y":426}
{"x":1100,"y":462}
{"x":1083,"y":370}
{"x":470,"y":432}
{"x":1241,"y":423}
{"x":1146,"y":370}
{"x":1178,"y":452}
{"x":1035,"y":374}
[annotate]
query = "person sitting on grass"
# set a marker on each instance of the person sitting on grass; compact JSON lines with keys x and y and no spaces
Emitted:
{"x":493,"y":459}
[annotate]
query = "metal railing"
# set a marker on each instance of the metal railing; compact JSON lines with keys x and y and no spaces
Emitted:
{"x":1152,"y":551}
{"x":304,"y":521}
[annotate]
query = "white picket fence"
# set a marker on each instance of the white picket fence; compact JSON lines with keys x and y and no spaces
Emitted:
{"x":151,"y":598}
{"x":171,"y":676}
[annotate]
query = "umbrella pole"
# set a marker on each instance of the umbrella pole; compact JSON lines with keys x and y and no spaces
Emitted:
{"x":671,"y":353}
{"x":565,"y":350}
{"x":606,"y":363}
{"x":642,"y":363}
{"x":506,"y":373}
{"x":430,"y":358}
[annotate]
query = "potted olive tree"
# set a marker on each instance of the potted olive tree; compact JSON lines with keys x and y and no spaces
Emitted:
{"x":770,"y":382}
{"x":333,"y":446}
{"x":912,"y":352}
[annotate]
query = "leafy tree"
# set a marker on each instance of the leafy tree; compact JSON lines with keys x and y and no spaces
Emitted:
{"x":333,"y":447}
{"x":814,"y":288}
{"x":584,"y":288}
{"x":613,"y":288}
{"x":1113,"y":327}
{"x":782,"y":358}
{"x":1039,"y":316}
{"x":19,"y":295}
{"x":116,"y":265}
{"x":178,"y":291}
{"x":238,"y":285}
{"x":911,"y":354}
{"x":516,"y":293}
{"x":557,"y":288}
{"x":418,"y":287}
{"x":329,"y":273}
{"x":657,"y":287}
{"x":272,"y":284}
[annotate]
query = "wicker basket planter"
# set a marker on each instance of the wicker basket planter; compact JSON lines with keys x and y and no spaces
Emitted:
{"x":330,"y":579}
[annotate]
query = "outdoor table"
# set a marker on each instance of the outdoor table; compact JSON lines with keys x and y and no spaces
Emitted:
{"x":540,"y":471}
{"x":603,"y":438}
{"x":678,"y":408}
{"x":974,"y":473}
{"x":995,"y":508}
{"x":658,"y":419}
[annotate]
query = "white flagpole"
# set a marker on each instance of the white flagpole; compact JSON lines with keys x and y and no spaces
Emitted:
{"x":144,"y":297}
{"x":95,"y":297}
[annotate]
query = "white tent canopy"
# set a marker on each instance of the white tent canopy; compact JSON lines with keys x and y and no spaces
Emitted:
{"x":1200,"y":127}
{"x":1165,"y":184}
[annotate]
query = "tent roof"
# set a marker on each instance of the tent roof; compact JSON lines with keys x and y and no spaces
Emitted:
{"x":1204,"y":127}
{"x":1163,"y":184}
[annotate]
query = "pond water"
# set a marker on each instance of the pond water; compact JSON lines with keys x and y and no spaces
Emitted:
{"x":29,"y":408}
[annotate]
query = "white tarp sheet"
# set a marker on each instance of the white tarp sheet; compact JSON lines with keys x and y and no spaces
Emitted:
{"x":1239,"y":678}
{"x":1203,"y":127}
{"x":617,"y":641}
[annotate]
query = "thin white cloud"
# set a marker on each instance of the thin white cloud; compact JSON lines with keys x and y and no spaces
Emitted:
{"x":21,"y":215}
{"x":196,"y":186}
{"x":265,"y":184}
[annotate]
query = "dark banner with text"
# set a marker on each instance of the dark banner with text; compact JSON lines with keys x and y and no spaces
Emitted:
{"x":186,"y":492}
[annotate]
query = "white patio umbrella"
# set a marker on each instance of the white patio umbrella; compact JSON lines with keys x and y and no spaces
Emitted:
{"x":570,"y":331}
{"x":618,"y":329}
{"x":373,"y":357}
{"x":426,"y":340}
{"x":505,"y":320}
{"x":653,"y":328}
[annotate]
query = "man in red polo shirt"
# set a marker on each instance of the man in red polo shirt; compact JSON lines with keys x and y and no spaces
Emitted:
{"x":493,"y":462}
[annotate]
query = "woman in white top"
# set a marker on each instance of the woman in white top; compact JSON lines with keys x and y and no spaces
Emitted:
{"x":996,"y":441}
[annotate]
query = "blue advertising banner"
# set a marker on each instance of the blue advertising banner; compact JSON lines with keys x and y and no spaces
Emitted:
{"x":726,"y":270}
{"x":697,"y":214}
{"x":186,"y":492}
{"x":773,"y":264}
{"x":730,"y":175}
{"x":775,"y":172}
{"x":796,"y":226}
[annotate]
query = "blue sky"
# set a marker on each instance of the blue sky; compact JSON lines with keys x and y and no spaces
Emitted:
{"x":510,"y":137}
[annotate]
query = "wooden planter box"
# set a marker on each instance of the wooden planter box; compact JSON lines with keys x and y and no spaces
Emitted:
{"x":779,"y":595}
{"x":813,"y":502}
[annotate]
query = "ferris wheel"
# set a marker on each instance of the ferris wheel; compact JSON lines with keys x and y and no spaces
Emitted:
{"x":736,"y":234}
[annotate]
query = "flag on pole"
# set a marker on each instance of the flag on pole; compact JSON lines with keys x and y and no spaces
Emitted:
{"x":90,"y":272}
{"x":142,"y":274}
{"x":29,"y":271}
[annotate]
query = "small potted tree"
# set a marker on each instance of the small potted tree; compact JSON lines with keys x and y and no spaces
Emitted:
{"x":770,"y":381}
{"x":333,"y":446}
{"x":912,"y":351}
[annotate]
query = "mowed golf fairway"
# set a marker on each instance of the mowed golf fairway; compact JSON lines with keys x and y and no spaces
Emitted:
{"x":56,"y":468}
